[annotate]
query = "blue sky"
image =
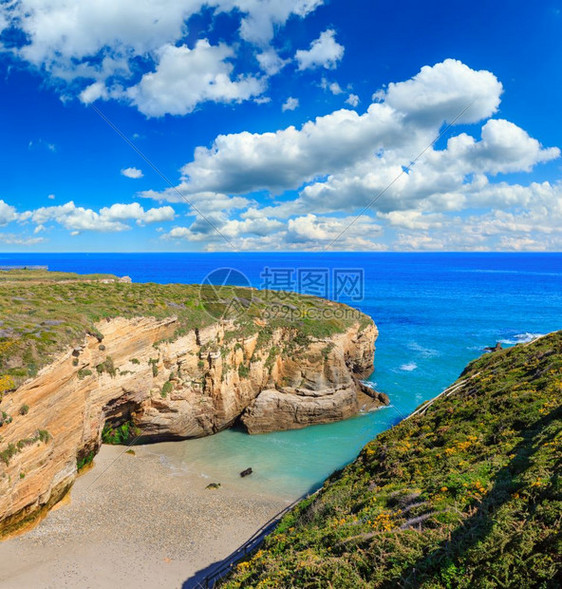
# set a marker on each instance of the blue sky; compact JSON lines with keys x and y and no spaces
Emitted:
{"x":280,"y":125}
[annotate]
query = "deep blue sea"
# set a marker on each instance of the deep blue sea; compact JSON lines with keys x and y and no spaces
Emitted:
{"x":435,"y":313}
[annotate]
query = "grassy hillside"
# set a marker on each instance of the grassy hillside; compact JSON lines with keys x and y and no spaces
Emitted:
{"x":42,"y":313}
{"x":466,"y":493}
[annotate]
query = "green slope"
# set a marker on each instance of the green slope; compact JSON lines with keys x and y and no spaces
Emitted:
{"x":466,"y":493}
{"x":42,"y":313}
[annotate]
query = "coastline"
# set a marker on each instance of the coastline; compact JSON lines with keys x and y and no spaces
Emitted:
{"x":133,"y":521}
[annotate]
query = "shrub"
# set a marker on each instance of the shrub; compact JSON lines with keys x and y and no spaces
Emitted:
{"x":167,"y":388}
{"x":24,"y":409}
{"x":154,"y":363}
{"x":107,"y":366}
{"x":6,"y":384}
{"x":85,"y":460}
{"x":83,"y":373}
{"x":7,"y":454}
{"x":123,"y":434}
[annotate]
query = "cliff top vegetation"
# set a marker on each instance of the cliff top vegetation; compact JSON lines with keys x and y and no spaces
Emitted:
{"x":43,"y":313}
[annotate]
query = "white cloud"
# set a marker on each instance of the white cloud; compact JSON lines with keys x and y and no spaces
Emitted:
{"x":94,"y":92}
{"x":14,"y":239}
{"x":157,"y":215}
{"x":505,"y":147}
{"x":290,"y":104}
{"x":348,"y":163}
{"x":270,"y":62}
{"x":324,"y":52}
{"x":76,"y":218}
{"x":260,"y":233}
{"x":323,"y":230}
{"x":263,"y":16}
{"x":347,"y":157}
{"x":108,"y":219}
{"x":443,"y":91}
{"x":132,"y":173}
{"x":98,"y":47}
{"x":246,"y":162}
{"x":335,"y":88}
{"x":352,"y":100}
{"x":51,"y":197}
{"x":332,"y":87}
{"x":8,"y":213}
{"x":186,"y":77}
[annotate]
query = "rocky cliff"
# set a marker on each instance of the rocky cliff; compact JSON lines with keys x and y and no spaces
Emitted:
{"x":137,"y":373}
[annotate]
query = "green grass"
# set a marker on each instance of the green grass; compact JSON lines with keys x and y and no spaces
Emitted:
{"x":12,"y":449}
{"x":86,"y":460}
{"x":43,"y":313}
{"x":167,"y":388}
{"x":467,"y":494}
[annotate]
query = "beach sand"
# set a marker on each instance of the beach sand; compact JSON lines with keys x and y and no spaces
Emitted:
{"x":132,"y":521}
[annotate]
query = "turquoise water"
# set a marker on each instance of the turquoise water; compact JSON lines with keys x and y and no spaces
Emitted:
{"x":435,"y":313}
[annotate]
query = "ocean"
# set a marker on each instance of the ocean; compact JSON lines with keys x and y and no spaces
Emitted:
{"x":435,"y":313}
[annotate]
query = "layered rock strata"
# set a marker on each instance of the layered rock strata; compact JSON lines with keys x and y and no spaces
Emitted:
{"x":134,"y":371}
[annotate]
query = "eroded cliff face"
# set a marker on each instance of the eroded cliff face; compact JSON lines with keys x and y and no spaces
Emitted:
{"x":193,"y":386}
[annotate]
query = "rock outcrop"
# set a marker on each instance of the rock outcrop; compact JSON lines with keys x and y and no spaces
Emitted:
{"x":169,"y":389}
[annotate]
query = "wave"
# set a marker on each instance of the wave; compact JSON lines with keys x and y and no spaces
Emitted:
{"x":369,"y":383}
{"x":425,"y":352}
{"x":521,"y":338}
{"x":408,"y":367}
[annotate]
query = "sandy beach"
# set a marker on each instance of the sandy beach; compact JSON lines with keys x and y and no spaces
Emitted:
{"x":132,"y":521}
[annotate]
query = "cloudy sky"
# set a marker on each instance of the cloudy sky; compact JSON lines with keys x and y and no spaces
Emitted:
{"x":188,"y":125}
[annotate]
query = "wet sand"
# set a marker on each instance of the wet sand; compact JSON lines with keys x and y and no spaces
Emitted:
{"x":132,"y":521}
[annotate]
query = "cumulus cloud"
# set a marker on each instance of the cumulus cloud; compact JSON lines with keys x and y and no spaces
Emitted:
{"x":348,"y":163}
{"x":324,"y":52}
{"x":15,"y":239}
{"x":323,"y":230}
{"x":246,"y":162}
{"x":270,"y":62}
{"x":8,"y":213}
{"x":98,"y":47}
{"x":94,"y":92}
{"x":108,"y":219}
{"x":443,"y":91}
{"x":504,"y":147}
{"x":352,"y":100}
{"x":134,"y":173}
{"x":186,"y":77}
{"x":382,"y":138}
{"x":302,"y":232}
{"x":258,"y":26}
{"x":290,"y":104}
{"x":335,"y":88}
